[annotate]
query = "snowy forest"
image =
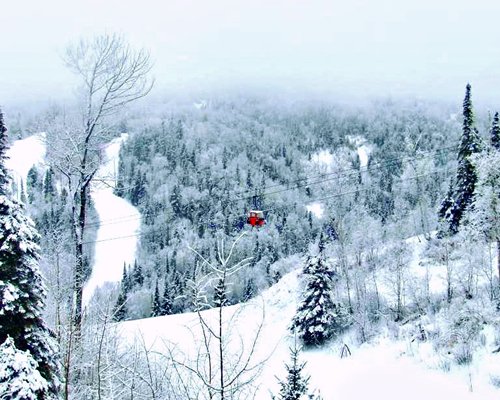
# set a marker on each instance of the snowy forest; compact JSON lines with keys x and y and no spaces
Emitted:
{"x":129,"y":269}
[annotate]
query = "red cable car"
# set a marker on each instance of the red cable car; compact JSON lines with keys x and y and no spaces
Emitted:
{"x":256,"y":218}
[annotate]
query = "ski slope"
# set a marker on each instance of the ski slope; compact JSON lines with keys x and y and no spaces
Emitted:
{"x":23,"y":154}
{"x":117,"y":235}
{"x":382,"y":369}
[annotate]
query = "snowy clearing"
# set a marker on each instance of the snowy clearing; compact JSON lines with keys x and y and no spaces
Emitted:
{"x":316,"y":208}
{"x":363,"y":154}
{"x":323,"y":159}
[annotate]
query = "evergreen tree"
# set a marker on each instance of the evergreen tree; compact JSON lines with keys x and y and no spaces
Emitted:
{"x":495,"y":132}
{"x":137,"y":275}
{"x":48,"y":185}
{"x":19,"y":375}
{"x":126,"y":281}
{"x":220,"y":298}
{"x":120,"y":308}
{"x":167,"y":301}
{"x":295,"y":386}
{"x":318,"y":317}
{"x":444,"y":211}
{"x":22,"y":293}
{"x":156,"y":310}
{"x":4,"y":175}
{"x":250,"y":289}
{"x":470,"y":143}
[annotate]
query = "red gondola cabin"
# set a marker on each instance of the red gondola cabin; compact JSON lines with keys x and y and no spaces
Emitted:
{"x":256,"y":218}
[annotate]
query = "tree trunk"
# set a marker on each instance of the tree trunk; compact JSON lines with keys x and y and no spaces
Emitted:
{"x":79,"y":259}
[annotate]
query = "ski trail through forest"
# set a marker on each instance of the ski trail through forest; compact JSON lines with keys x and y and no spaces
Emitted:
{"x":119,"y":221}
{"x":22,"y":155}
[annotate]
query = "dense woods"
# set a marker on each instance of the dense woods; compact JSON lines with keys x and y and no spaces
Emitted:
{"x":347,"y":192}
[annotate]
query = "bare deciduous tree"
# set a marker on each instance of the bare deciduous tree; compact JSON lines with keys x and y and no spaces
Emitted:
{"x":225,"y":365}
{"x":112,"y":75}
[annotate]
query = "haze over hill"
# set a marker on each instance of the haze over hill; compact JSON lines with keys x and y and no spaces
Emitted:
{"x":357,"y":48}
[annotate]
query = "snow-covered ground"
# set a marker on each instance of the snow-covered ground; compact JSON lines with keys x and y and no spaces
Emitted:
{"x":316,"y":208}
{"x":386,"y":368}
{"x":363,"y":154}
{"x":23,"y":154}
{"x":117,"y":238}
{"x":323,"y":160}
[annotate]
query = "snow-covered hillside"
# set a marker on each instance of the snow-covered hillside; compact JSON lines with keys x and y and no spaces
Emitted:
{"x":23,"y":154}
{"x":119,"y":220}
{"x":116,"y":241}
{"x":391,"y":366}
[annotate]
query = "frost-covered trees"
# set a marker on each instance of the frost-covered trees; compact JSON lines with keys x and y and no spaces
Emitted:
{"x":470,"y":143}
{"x":19,"y":375}
{"x":112,"y":75}
{"x":484,"y":216}
{"x":318,"y":317}
{"x":28,"y":351}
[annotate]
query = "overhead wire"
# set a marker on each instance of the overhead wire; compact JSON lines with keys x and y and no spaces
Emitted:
{"x":336,"y":175}
{"x":363,"y":189}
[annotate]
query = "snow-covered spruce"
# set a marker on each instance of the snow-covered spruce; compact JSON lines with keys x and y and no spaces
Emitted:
{"x":19,"y":375}
{"x":318,"y":317}
{"x":22,"y":295}
{"x":453,"y":209}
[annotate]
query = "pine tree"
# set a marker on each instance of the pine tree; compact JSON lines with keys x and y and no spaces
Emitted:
{"x":19,"y":375}
{"x":470,"y":143}
{"x":4,"y":175}
{"x":126,"y":281}
{"x":32,"y":184}
{"x":495,"y":132}
{"x":167,"y":301}
{"x":137,"y":275}
{"x":295,"y":386}
{"x":48,"y":185}
{"x":444,"y":211}
{"x":156,"y":309}
{"x":220,"y":299}
{"x":249,"y":289}
{"x":318,"y":317}
{"x":120,"y":308}
{"x":22,"y":293}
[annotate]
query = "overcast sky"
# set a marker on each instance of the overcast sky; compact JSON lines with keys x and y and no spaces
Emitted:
{"x":426,"y":48}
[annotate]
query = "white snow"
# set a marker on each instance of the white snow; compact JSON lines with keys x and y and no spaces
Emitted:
{"x":23,"y":154}
{"x":316,"y":208}
{"x":383,"y":369}
{"x":324,"y":159}
{"x":117,"y":235}
{"x":363,"y":154}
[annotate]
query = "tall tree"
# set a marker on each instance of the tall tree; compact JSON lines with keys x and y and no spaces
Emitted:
{"x":156,"y":309}
{"x":470,"y":143}
{"x":495,"y":132}
{"x":23,"y":333}
{"x":112,"y":75}
{"x":167,"y":300}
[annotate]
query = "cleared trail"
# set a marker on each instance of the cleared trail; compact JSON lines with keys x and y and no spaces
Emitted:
{"x":120,"y":219}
